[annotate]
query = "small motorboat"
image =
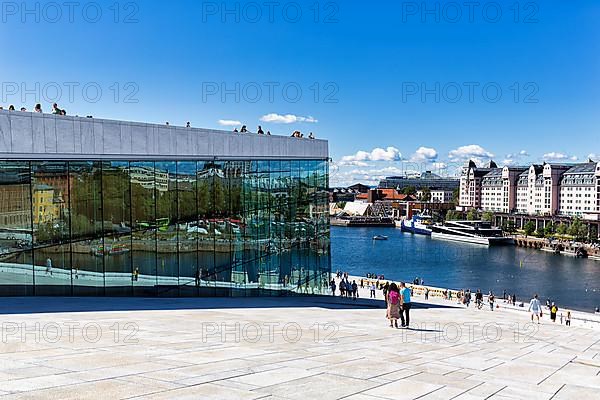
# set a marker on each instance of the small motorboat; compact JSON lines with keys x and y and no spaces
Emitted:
{"x":380,"y":237}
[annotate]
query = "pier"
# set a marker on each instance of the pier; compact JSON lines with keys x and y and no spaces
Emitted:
{"x":556,"y":246}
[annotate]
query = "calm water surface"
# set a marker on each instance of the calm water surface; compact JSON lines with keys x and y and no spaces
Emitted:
{"x":570,"y":282}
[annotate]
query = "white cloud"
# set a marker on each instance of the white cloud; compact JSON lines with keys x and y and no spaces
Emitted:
{"x":287,"y":119}
{"x":229,"y":122}
{"x":594,"y":157}
{"x":472,"y":151}
{"x":377,"y":154}
{"x":522,"y":153}
{"x":424,"y":154}
{"x":556,"y":156}
{"x":353,"y":163}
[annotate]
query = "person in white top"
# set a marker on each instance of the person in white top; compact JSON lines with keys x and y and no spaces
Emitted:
{"x":535,"y":308}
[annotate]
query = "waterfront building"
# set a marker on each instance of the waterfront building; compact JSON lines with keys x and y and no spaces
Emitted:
{"x":568,"y":190}
{"x":426,"y":180}
{"x":470,"y":185}
{"x":580,"y":191}
{"x":98,"y":207}
{"x":492,"y":190}
{"x":538,"y":189}
{"x":499,"y":189}
{"x":436,"y":195}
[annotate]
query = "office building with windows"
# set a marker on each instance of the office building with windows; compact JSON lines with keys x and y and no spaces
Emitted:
{"x":92,"y":207}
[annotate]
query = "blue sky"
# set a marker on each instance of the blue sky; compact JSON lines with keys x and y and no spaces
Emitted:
{"x":362,"y":69}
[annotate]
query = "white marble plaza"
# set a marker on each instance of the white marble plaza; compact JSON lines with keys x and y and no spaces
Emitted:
{"x":286,"y":348}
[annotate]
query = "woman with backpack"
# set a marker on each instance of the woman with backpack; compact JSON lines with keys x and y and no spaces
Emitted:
{"x":393,"y":305}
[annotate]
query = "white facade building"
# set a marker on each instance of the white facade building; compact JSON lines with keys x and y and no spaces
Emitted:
{"x":492,"y":191}
{"x":580,"y":191}
{"x":437,"y":195}
{"x":545,"y":190}
{"x":470,"y":185}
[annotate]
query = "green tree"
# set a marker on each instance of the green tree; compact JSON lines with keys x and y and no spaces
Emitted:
{"x":453,"y":215}
{"x":549,"y":229}
{"x":529,"y":228}
{"x":426,"y":195}
{"x":487,"y":216}
{"x":540,"y":232}
{"x":578,"y":229}
{"x":509,"y":227}
{"x":472,"y":215}
{"x":593,"y":233}
{"x":561,"y":229}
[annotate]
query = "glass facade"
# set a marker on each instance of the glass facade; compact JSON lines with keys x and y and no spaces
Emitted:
{"x":164,"y":228}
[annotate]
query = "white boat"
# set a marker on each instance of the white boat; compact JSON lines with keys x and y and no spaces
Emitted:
{"x":380,"y":237}
{"x":419,"y":224}
{"x":477,"y":232}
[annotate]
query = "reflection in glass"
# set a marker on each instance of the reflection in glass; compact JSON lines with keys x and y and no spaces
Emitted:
{"x":116,"y":250}
{"x":164,"y":228}
{"x":16,"y":238}
{"x":85,"y":199}
{"x":144,"y":189}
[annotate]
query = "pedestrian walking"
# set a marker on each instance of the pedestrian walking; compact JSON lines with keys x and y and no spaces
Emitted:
{"x":426,"y":293}
{"x":385,"y":292}
{"x":333,"y":287}
{"x":354,"y":290}
{"x":49,"y":266}
{"x":568,"y":320}
{"x":491,"y":301}
{"x":535,"y":308}
{"x":393,"y":305}
{"x":405,"y":305}
{"x":553,"y":311}
{"x":373,"y":288}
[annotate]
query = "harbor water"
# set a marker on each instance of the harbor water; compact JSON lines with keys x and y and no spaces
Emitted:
{"x":570,"y":282}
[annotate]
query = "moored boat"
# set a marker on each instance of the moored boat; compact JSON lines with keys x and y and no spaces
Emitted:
{"x":380,"y":237}
{"x":477,"y":232}
{"x":419,"y":225}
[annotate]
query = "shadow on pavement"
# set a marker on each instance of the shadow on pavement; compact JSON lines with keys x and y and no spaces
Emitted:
{"x":35,"y":305}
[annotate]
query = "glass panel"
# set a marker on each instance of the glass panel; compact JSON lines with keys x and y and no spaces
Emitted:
{"x":116,"y":249}
{"x":235,"y":172}
{"x":16,"y":266}
{"x":144,"y":188}
{"x":86,"y":227}
{"x":149,"y":228}
{"x":167,"y":233}
{"x":188,"y":229}
{"x":223,"y":228}
{"x":51,"y":228}
{"x":206,"y":227}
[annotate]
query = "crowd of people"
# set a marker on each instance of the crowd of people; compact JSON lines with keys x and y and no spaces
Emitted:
{"x":260,"y":131}
{"x":244,"y":129}
{"x":398,"y":298}
{"x":38,"y":109}
{"x":536,"y":311}
{"x":346,"y":288}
